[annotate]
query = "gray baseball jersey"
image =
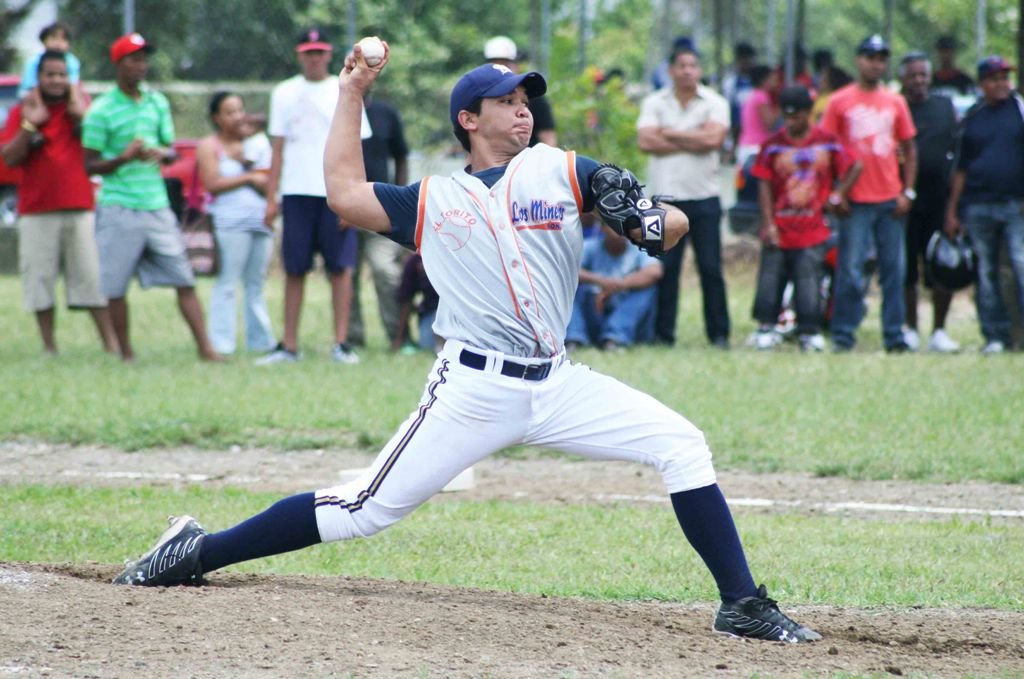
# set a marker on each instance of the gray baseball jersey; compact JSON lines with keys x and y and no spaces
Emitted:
{"x":505,"y":259}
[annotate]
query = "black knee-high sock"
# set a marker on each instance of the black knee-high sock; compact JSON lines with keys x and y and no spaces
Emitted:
{"x":287,"y":525}
{"x":707,"y":523}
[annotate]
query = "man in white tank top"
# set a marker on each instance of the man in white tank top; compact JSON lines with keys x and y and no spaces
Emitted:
{"x":501,"y":242}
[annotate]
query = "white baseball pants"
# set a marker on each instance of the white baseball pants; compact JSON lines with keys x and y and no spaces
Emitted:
{"x":466,"y":414}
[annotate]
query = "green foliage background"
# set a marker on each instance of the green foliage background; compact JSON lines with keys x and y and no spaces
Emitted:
{"x":433,"y":42}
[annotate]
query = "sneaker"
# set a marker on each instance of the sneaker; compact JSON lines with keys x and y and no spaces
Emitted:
{"x":942,"y":343}
{"x":900,"y":347}
{"x":173,"y":560}
{"x":343,"y":353}
{"x":612,"y":346}
{"x":993,"y":347}
{"x":279,"y":355}
{"x":911,"y":339}
{"x":759,"y":617}
{"x":812,"y":343}
{"x":766,"y":340}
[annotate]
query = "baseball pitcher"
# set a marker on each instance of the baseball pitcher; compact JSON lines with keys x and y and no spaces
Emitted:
{"x":501,"y":242}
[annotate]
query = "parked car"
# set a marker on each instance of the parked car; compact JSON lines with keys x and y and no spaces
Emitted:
{"x":183,"y":187}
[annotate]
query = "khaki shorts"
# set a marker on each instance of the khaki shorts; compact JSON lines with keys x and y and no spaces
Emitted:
{"x":51,"y":242}
{"x":146,"y":243}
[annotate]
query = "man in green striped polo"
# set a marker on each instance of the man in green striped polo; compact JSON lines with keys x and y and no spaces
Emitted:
{"x":127,"y":134}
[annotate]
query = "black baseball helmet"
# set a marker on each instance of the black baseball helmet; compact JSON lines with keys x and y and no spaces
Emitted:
{"x":950,"y":262}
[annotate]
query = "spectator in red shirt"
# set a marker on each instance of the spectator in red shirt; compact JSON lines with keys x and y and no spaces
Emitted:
{"x":797,"y":166}
{"x":56,"y":227}
{"x":875,"y":124}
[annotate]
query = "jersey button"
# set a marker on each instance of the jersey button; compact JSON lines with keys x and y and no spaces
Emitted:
{"x":515,"y":263}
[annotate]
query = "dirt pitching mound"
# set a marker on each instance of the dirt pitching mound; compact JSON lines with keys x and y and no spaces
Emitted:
{"x":66,"y":620}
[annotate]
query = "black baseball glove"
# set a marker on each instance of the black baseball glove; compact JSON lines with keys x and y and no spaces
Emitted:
{"x":624,"y":207}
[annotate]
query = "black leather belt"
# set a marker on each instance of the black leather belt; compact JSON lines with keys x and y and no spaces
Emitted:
{"x":522,"y":371}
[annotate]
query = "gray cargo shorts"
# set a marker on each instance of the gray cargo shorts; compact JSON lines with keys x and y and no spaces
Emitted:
{"x":146,"y":243}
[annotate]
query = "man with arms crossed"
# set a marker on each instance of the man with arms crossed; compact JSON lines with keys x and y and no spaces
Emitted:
{"x":510,"y":222}
{"x":682,"y":127}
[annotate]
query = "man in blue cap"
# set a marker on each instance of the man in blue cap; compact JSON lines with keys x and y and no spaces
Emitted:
{"x":501,"y":241}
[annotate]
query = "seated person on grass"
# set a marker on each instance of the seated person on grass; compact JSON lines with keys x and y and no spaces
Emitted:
{"x":616,"y":295}
{"x":415,"y":284}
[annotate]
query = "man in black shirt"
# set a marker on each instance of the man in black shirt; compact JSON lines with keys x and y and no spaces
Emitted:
{"x":384,"y":149}
{"x":935,"y":120}
{"x":989,"y":187}
{"x":948,"y":79}
{"x":503,"y":51}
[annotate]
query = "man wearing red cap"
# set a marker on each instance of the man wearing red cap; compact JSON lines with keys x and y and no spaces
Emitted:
{"x":126,"y":134}
{"x":300,"y":115}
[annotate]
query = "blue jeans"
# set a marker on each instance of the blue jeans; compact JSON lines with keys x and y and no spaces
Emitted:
{"x":706,"y":236}
{"x":624,"y":315}
{"x":244,"y":257}
{"x":870,"y":224}
{"x":992,"y":226}
{"x":426,"y":325}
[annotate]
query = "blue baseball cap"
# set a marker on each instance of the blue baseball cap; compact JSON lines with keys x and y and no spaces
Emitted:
{"x":991,"y":65}
{"x":492,"y":80}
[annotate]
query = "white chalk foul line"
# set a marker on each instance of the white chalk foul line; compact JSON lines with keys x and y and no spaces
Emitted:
{"x":142,"y":476}
{"x":832,"y":507}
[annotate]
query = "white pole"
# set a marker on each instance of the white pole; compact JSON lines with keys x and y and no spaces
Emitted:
{"x":790,"y":41}
{"x":545,"y":37}
{"x":980,"y":30}
{"x":350,"y":19}
{"x":129,"y":16}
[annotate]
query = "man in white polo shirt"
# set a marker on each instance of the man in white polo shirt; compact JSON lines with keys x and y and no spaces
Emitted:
{"x":682,"y":127}
{"x":300,"y":116}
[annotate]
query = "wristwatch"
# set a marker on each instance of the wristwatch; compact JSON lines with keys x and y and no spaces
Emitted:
{"x":834,"y":198}
{"x":911,"y":194}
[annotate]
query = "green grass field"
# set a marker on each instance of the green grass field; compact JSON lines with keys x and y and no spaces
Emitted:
{"x":865,"y":415}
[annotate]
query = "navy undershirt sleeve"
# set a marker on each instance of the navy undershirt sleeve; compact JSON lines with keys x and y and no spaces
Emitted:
{"x":584,"y":168}
{"x":400,"y":203}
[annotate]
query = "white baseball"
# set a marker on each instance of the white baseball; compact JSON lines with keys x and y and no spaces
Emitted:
{"x":372,"y":49}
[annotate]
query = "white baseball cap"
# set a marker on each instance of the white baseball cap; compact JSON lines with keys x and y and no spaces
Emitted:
{"x":500,"y":47}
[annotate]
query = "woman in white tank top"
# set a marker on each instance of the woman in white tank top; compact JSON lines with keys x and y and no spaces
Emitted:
{"x":233,"y":168}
